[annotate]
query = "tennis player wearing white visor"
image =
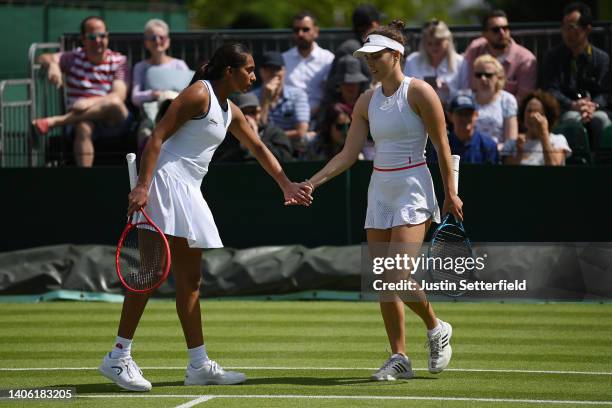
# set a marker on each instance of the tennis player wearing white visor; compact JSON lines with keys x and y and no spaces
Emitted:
{"x":400,"y":114}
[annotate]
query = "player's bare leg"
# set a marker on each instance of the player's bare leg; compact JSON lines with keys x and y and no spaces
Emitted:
{"x":186,"y":266}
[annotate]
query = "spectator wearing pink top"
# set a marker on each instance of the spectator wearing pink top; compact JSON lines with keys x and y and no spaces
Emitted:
{"x":519,"y":63}
{"x":96,"y":85}
{"x":157,"y":42}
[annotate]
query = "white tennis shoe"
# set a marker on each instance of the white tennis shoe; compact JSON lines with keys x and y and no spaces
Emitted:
{"x":125,"y":373}
{"x":396,"y":367}
{"x":440,"y":350}
{"x":212,"y":373}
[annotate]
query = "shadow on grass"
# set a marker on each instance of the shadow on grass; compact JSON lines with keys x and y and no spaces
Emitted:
{"x":308,"y":381}
{"x":108,"y":387}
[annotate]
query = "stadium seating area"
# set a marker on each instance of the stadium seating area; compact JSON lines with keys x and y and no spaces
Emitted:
{"x":22,"y":101}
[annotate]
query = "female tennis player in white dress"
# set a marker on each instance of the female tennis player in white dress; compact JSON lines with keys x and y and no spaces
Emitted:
{"x":400,"y":114}
{"x":174,"y":162}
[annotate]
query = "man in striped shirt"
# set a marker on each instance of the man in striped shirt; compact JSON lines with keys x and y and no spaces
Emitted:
{"x":96,"y":87}
{"x":282,"y":105}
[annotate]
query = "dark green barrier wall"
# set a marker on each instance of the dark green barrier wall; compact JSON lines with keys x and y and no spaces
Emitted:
{"x":69,"y":205}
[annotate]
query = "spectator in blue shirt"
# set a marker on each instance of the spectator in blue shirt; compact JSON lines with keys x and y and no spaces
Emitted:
{"x":464,"y":140}
{"x":282,"y":105}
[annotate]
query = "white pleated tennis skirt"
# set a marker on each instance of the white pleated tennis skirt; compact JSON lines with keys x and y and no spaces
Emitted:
{"x":400,"y":198}
{"x":179,"y":209}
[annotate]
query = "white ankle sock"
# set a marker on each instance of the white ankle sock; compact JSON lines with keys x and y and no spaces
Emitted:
{"x":122,"y":348}
{"x":197,"y":356}
{"x":434,"y":330}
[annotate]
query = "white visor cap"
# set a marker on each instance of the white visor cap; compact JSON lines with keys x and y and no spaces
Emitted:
{"x":376,"y":42}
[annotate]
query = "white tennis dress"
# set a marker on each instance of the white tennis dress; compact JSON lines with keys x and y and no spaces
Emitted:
{"x":401,"y":190}
{"x":175,"y":201}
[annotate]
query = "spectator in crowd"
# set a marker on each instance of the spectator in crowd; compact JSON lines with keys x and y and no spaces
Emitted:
{"x":157,"y":42}
{"x":519,"y":63}
{"x":496,"y":107}
{"x":272,"y":136}
{"x":96,"y":87}
{"x":464,"y":139}
{"x":575,"y":72}
{"x":436,"y":62}
{"x":307,"y":64}
{"x":350,"y":83}
{"x":283,"y":105}
{"x":366,"y":18}
{"x":330,"y":140}
{"x":537,"y":146}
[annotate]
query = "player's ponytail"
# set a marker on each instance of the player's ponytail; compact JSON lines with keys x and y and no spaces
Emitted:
{"x":228,"y":55}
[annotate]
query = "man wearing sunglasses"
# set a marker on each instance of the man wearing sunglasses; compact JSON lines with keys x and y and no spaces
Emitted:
{"x":96,"y":88}
{"x":519,"y":63}
{"x":307,"y":64}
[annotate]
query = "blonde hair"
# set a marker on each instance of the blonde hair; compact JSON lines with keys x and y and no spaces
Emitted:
{"x":499,"y":69}
{"x":438,"y":30}
{"x":156,"y":22}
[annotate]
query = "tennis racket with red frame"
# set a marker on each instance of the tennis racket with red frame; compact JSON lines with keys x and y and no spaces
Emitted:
{"x":143,"y":254}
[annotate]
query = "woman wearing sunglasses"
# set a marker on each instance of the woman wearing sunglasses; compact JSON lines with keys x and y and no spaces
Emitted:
{"x":157,"y":42}
{"x":496,"y":108}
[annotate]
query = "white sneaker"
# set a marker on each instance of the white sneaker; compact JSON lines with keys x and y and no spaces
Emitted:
{"x":212,"y":373}
{"x":440,"y":350}
{"x":397,"y":366}
{"x":124,"y":372}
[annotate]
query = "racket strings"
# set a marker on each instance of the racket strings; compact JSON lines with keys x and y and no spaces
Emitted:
{"x":142,"y":258}
{"x":449,"y":243}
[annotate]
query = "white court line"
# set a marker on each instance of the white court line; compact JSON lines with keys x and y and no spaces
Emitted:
{"x":363,"y":397}
{"x":195,"y":402}
{"x":466,"y":370}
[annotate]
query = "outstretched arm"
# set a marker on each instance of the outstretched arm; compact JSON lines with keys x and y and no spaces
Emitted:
{"x":240,"y":128}
{"x":192,"y":102}
{"x":355,"y":139}
{"x":425,"y":102}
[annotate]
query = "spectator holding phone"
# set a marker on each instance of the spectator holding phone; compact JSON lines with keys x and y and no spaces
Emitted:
{"x":436,"y":62}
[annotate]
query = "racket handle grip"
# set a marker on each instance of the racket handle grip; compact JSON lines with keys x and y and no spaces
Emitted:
{"x":131,"y":162}
{"x":455,"y":168}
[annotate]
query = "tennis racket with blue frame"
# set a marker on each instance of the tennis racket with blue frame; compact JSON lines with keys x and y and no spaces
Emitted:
{"x":450,"y":240}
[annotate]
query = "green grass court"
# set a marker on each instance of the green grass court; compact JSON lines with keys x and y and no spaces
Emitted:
{"x":505,"y":355}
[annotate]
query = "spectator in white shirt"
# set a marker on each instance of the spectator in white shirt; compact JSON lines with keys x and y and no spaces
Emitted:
{"x":537,"y":145}
{"x":307,"y":64}
{"x":436,"y":62}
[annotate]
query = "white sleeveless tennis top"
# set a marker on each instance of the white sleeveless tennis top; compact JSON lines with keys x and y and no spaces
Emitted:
{"x":175,"y":202}
{"x":401,"y":190}
{"x":196,"y":141}
{"x":398,"y":132}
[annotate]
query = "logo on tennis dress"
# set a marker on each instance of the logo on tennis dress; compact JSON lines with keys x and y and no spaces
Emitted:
{"x":211,"y":121}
